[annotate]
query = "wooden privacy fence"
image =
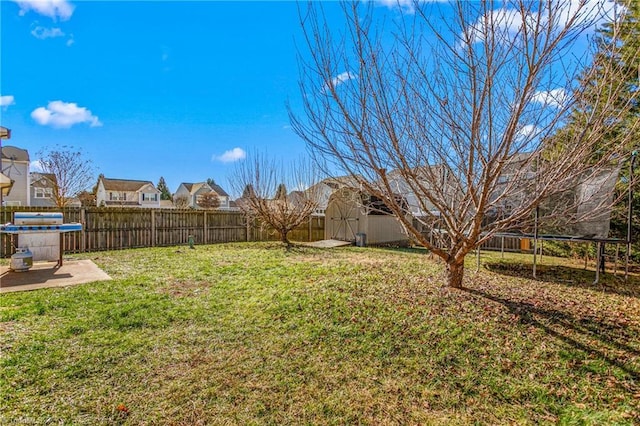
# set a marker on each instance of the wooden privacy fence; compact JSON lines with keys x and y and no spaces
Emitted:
{"x":121,"y":228}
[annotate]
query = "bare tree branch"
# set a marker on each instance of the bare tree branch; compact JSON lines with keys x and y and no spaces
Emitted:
{"x":263,"y":183}
{"x":73,"y":172}
{"x":457,"y":106}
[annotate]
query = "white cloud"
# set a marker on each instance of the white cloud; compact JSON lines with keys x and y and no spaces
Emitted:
{"x":502,"y":23}
{"x":43,"y":33}
{"x":405,"y":5}
{"x":232,"y":155}
{"x":70,"y":41}
{"x":7,"y":100}
{"x":64,"y":115}
{"x":528,"y":131}
{"x":338,"y":80}
{"x":508,"y":23}
{"x":341,"y":78}
{"x":596,"y":12}
{"x":54,"y":9}
{"x":36,"y":166}
{"x":554,"y":98}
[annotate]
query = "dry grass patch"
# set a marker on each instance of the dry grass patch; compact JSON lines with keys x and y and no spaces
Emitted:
{"x":253,"y":334}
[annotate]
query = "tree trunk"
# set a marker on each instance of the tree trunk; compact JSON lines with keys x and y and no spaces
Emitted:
{"x":455,"y":273}
{"x":284,"y":239}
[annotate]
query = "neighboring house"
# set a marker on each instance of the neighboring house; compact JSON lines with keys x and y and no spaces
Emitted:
{"x":192,"y":192}
{"x":42,"y":189}
{"x":514,"y":187}
{"x":15,"y":166}
{"x":430,"y":179}
{"x":323,"y":190}
{"x":127,"y":193}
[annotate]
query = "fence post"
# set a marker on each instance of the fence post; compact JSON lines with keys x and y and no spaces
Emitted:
{"x":83,"y":235}
{"x":206,"y":229}
{"x":153,"y":228}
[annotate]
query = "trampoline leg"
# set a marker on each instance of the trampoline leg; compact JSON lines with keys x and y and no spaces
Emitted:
{"x":535,"y":243}
{"x":535,"y":256}
{"x":599,"y":255}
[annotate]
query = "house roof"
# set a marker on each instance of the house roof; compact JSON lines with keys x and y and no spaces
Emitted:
{"x":14,"y":153}
{"x":5,"y":133}
{"x":43,"y":179}
{"x":218,"y":190}
{"x":124,"y":184}
{"x":195,"y":187}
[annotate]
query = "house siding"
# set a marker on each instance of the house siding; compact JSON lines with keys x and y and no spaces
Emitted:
{"x":120,"y":198}
{"x":18,"y":171}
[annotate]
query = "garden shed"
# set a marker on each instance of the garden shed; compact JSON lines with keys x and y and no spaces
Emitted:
{"x":353,"y":215}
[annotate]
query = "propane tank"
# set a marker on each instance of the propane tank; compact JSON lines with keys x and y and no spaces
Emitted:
{"x":22,"y":260}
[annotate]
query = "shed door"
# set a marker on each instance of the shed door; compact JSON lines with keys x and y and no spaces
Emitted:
{"x":344,"y":221}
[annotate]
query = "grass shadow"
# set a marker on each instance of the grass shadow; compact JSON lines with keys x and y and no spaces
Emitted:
{"x":598,"y":338}
{"x":569,"y":276}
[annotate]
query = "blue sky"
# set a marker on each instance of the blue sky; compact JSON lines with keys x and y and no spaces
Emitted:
{"x":150,"y":89}
{"x":154,"y":88}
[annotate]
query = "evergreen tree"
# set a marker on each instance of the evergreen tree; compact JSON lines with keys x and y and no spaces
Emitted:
{"x":281,"y":192}
{"x":621,"y":43}
{"x":628,"y":61}
{"x":165,"y":194}
{"x":248,"y":191}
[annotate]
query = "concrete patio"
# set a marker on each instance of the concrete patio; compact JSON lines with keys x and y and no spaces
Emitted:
{"x":48,"y":275}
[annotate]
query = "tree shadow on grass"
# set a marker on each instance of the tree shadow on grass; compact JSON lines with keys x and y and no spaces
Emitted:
{"x":571,"y":277}
{"x":595,"y":337}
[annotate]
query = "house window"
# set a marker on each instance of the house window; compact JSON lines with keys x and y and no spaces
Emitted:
{"x":149,"y":197}
{"x":43,"y":193}
{"x":503,"y":179}
{"x":117,"y":196}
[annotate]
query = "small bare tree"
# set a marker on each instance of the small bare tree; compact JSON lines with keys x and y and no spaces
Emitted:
{"x":263,"y":182}
{"x":209,"y":201}
{"x":73,"y":172}
{"x":455,"y":106}
{"x":181,"y":202}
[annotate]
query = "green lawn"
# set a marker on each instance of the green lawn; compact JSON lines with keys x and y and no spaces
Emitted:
{"x":251,"y":334}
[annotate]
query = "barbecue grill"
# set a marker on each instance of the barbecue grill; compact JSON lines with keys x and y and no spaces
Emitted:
{"x":34,"y":223}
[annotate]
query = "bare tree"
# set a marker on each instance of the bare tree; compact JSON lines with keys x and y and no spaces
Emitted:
{"x":263,"y":182}
{"x":209,"y":200}
{"x":456,"y":104}
{"x":87,"y":199}
{"x":73,"y":172}
{"x":181,"y":202}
